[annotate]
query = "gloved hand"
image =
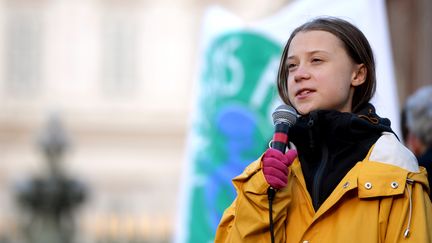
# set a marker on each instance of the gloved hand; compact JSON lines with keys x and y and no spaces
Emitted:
{"x":275,"y":166}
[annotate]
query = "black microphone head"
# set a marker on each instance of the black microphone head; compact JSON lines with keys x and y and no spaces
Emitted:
{"x":284,"y":114}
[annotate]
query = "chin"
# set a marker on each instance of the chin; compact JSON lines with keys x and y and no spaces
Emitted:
{"x":304,"y":110}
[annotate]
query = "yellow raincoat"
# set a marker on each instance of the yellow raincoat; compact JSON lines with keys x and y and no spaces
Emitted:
{"x":383,"y":198}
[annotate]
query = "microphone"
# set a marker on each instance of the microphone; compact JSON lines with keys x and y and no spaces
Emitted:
{"x":284,"y":117}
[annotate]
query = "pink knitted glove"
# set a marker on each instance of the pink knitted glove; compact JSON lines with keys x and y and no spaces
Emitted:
{"x":275,"y":166}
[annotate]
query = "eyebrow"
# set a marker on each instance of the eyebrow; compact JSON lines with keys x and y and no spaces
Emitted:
{"x":310,"y":53}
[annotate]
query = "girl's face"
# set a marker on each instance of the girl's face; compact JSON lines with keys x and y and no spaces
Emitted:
{"x":321,"y":74}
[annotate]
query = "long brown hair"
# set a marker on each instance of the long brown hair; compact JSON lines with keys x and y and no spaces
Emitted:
{"x":356,"y":46}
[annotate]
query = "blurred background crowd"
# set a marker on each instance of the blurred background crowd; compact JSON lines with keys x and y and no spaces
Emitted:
{"x":96,"y":100}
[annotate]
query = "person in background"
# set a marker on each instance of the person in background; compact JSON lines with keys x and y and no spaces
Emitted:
{"x":418,"y":124}
{"x":351,"y":180}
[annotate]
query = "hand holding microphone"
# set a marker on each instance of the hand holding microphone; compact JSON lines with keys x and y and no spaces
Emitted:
{"x":275,"y":161}
{"x":275,"y":166}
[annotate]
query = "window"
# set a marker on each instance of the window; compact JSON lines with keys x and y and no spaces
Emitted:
{"x":119,"y":53}
{"x":23,"y":60}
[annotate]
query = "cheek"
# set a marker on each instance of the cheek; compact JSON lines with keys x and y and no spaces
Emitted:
{"x":290,"y":85}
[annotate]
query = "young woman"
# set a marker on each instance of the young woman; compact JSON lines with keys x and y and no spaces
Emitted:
{"x":352,"y":180}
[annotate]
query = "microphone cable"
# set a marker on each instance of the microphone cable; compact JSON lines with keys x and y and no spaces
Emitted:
{"x":271,"y":194}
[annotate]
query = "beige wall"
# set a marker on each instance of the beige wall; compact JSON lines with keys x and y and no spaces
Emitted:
{"x":410,"y":27}
{"x":127,"y":145}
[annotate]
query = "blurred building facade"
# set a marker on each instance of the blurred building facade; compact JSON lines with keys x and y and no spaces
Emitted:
{"x":121,"y":74}
{"x":410,"y":23}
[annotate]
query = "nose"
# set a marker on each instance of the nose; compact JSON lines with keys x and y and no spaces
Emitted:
{"x":301,"y":74}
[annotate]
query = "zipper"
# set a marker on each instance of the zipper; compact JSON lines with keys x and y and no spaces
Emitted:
{"x":318,"y":178}
{"x":310,"y":125}
{"x":320,"y":171}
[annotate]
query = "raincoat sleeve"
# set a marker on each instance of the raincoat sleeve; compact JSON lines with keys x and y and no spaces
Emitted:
{"x":247,"y":219}
{"x":410,"y":219}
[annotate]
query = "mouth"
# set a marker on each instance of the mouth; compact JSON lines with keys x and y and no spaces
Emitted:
{"x":304,"y":92}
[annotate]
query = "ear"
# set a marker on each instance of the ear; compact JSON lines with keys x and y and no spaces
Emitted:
{"x":359,"y":75}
